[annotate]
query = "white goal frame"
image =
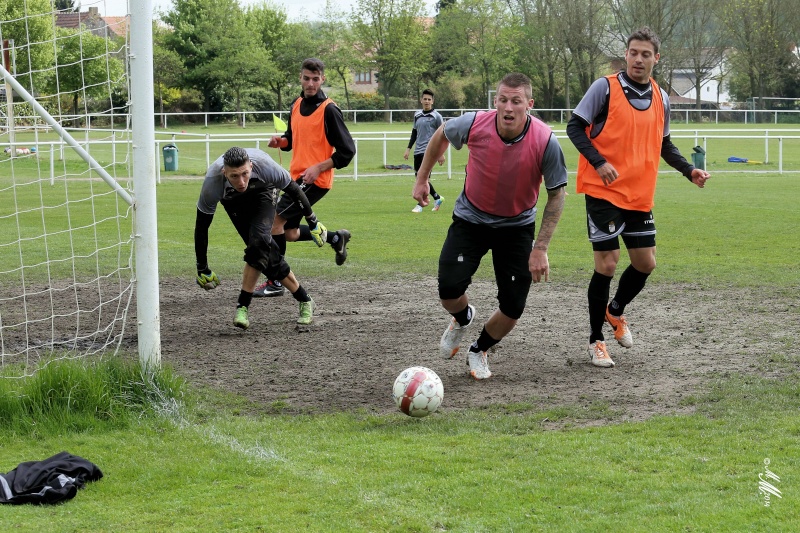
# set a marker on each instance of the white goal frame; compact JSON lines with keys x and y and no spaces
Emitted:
{"x":143,"y":201}
{"x":144,"y":183}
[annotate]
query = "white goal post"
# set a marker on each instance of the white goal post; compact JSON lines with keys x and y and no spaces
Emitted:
{"x":72,"y":251}
{"x":144,"y":182}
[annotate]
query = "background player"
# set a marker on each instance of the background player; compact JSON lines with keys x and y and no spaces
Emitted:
{"x":320,"y":142}
{"x":426,"y":122}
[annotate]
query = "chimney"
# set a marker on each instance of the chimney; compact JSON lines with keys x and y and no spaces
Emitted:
{"x":94,"y":12}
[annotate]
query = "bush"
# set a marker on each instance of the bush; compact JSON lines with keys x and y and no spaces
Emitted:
{"x":368,"y":101}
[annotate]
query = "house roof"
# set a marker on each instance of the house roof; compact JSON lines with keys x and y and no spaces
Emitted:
{"x":117,"y":26}
{"x":682,"y":84}
{"x":680,"y":102}
{"x":71,"y":21}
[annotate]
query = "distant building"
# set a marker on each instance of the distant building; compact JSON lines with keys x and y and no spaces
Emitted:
{"x":101,"y":26}
{"x":713,"y":93}
{"x":365,"y":81}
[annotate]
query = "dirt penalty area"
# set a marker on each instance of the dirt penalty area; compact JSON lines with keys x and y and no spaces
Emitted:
{"x":366,"y":332}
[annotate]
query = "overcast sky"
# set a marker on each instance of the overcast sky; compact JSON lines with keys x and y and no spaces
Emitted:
{"x":296,"y":10}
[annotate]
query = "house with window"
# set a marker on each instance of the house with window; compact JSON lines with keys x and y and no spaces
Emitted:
{"x":365,"y":81}
{"x":713,"y":92}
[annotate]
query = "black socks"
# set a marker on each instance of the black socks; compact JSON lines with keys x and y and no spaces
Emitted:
{"x":463,"y":317}
{"x":244,"y":299}
{"x":484,"y":342}
{"x":631,"y":283}
{"x":599,"y":288}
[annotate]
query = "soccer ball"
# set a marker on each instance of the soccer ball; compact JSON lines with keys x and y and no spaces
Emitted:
{"x":418,"y":391}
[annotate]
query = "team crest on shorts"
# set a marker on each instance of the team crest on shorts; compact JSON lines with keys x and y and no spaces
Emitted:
{"x":611,"y":227}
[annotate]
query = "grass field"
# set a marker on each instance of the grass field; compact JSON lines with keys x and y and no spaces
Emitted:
{"x":215,"y":464}
{"x":198,"y":144}
{"x":720,"y":141}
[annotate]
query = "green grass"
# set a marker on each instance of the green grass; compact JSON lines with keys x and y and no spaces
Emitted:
{"x":192,"y":146}
{"x":725,"y":234}
{"x":193,"y":152}
{"x":216,"y":464}
{"x":75,"y":396}
{"x":484,"y":470}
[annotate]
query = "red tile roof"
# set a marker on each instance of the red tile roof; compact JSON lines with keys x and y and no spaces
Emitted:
{"x":117,"y":26}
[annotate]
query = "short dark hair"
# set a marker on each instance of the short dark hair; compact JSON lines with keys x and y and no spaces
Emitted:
{"x":428,"y":91}
{"x":235,"y":157}
{"x":312,"y":64}
{"x":645,"y":34}
{"x":517,"y":79}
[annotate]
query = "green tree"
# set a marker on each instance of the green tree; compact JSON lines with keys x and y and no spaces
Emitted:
{"x":390,"y":33}
{"x":704,"y":42}
{"x":763,"y":33}
{"x":287,"y":45}
{"x":583,"y":33}
{"x":542,"y":52}
{"x":338,"y":48}
{"x":66,"y":6}
{"x":477,"y":37}
{"x":33,"y":40}
{"x":83,"y":66}
{"x":300,"y":43}
{"x":665,"y":18}
{"x":198,"y":27}
{"x":239,"y":63}
{"x":168,"y":69}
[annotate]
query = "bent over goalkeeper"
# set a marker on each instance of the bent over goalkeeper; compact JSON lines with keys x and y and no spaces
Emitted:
{"x":246,"y":182}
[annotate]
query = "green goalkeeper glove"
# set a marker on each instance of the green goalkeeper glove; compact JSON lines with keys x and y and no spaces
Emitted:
{"x":207,"y":279}
{"x":320,"y":234}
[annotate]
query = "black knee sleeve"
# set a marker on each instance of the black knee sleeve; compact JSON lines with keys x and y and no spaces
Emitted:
{"x":280,"y":240}
{"x":512,"y":304}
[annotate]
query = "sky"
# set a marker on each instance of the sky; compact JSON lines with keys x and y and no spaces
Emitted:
{"x":296,"y":10}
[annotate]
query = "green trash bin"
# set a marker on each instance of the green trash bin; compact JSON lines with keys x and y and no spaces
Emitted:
{"x":170,"y":157}
{"x":699,"y":157}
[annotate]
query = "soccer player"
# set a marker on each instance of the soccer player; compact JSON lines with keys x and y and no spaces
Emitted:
{"x":246,"y":182}
{"x":510,"y":154}
{"x":621,"y":129}
{"x":321,"y":142}
{"x":426,"y":122}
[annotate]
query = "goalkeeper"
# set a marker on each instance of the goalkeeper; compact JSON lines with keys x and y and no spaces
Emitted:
{"x":246,"y":181}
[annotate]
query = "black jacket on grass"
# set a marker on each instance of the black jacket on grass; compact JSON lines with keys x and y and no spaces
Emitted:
{"x":50,"y":481}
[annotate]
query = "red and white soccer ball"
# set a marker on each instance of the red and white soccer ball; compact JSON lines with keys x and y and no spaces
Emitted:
{"x":418,"y":391}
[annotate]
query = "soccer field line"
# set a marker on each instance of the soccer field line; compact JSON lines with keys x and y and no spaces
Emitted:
{"x":172,"y":410}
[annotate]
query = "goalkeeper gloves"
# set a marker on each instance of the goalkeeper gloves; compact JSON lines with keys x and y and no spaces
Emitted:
{"x":319,"y":233}
{"x":207,"y":279}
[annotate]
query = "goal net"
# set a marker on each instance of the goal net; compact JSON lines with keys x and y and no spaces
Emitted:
{"x":66,"y":221}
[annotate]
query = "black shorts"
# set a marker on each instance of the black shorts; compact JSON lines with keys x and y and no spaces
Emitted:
{"x":418,"y":161}
{"x":461,"y":255}
{"x":292,"y":212}
{"x":605,"y":222}
{"x":252,"y":214}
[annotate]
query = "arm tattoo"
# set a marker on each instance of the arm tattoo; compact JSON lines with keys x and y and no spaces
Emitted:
{"x":550,"y":217}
